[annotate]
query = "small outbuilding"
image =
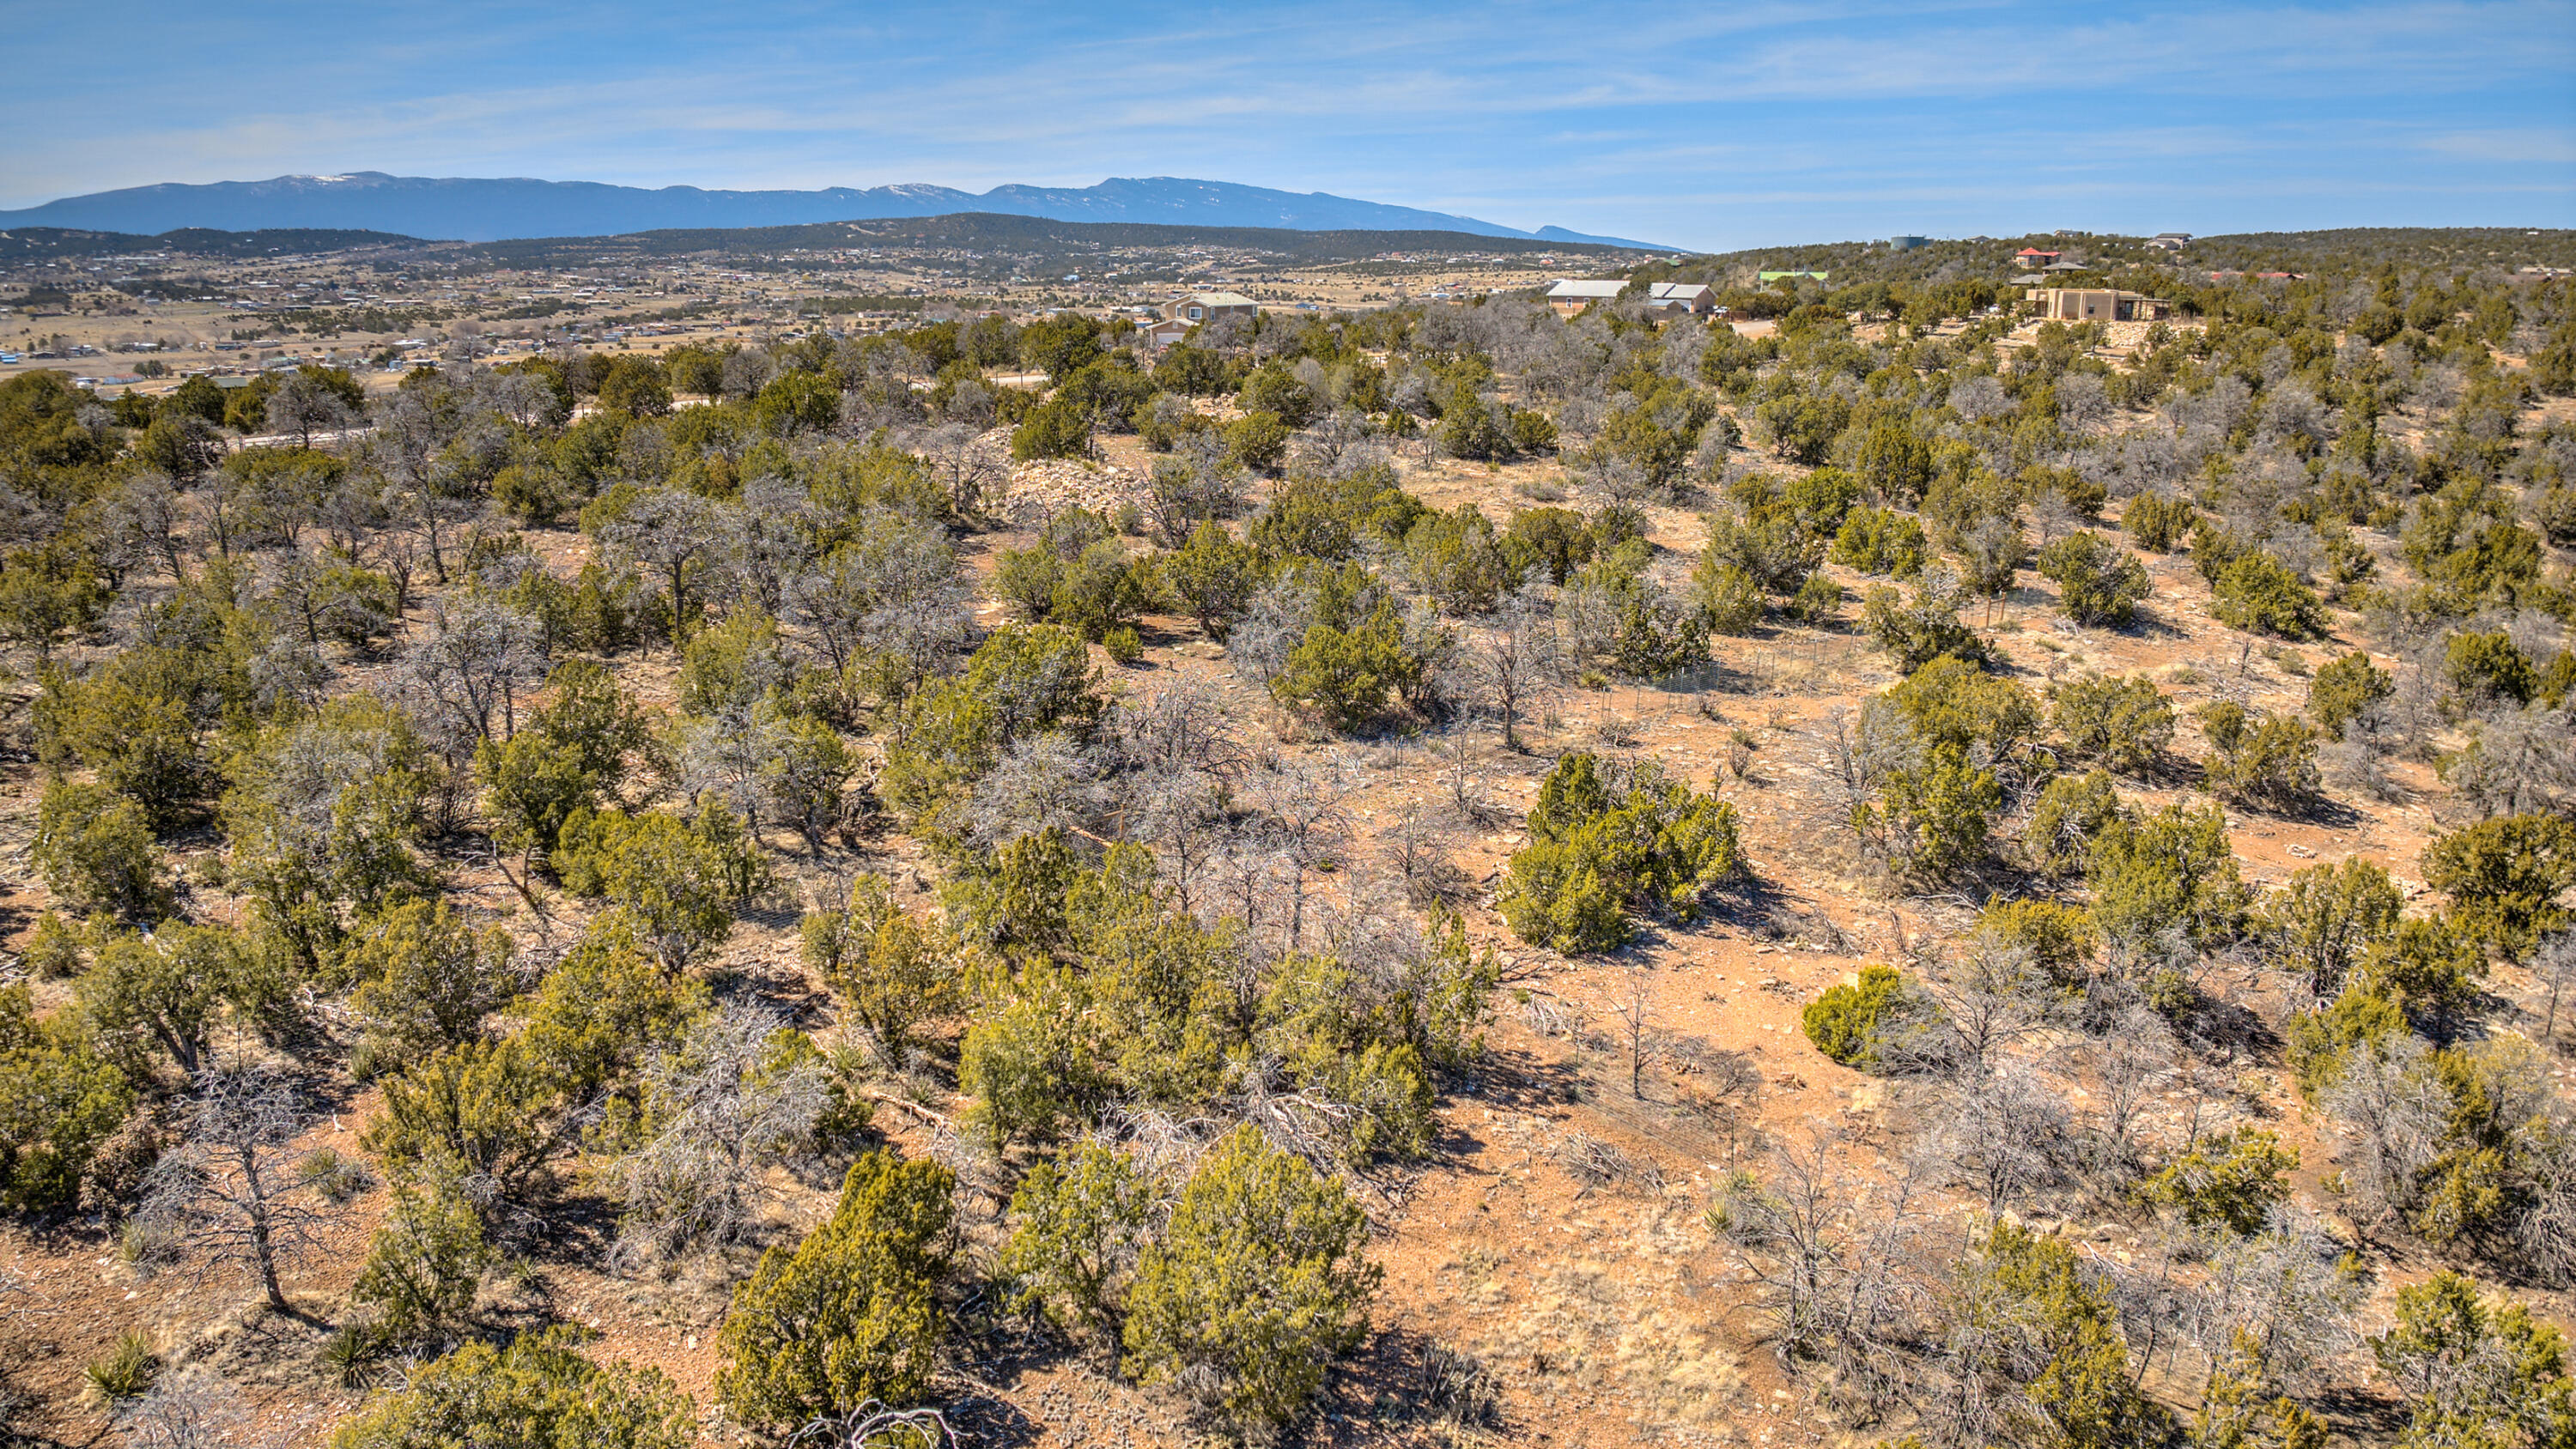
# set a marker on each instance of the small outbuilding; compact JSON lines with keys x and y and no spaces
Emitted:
{"x":1160,"y":333}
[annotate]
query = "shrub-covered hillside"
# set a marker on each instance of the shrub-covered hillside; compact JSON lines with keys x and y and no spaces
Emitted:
{"x":1861,"y":870}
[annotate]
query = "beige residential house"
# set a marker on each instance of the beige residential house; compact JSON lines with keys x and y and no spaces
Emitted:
{"x":1573,"y":296}
{"x":2097,"y":304}
{"x":1208,"y":306}
{"x":1692,"y":297}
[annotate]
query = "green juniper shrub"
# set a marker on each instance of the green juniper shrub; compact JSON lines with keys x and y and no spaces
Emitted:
{"x":2507,"y":878}
{"x":2069,"y":1362}
{"x":1551,"y":541}
{"x":157,"y":998}
{"x":500,"y":1108}
{"x":733,"y":664}
{"x":2345,"y":689}
{"x":2072,"y":811}
{"x":1214,"y":577}
{"x":1257,"y":441}
{"x":889,"y":970}
{"x":1607,"y":843}
{"x":1027,"y":1067}
{"x":138,"y":724}
{"x":1020,"y":682}
{"x":2215,"y":548}
{"x":2234,"y":1181}
{"x":1331,"y":519}
{"x":1273,"y":388}
{"x":489,"y":1106}
{"x":2328,"y":917}
{"x":2170,"y":870}
{"x":426,"y":980}
{"x":1730,"y":600}
{"x":1258,"y":1281}
{"x":426,"y":1262}
{"x":1881,"y":541}
{"x":1773,"y":534}
{"x":327,"y":813}
{"x":2059,"y":937}
{"x":48,"y":592}
{"x":2474,"y":1370}
{"x":2258,"y":593}
{"x":2123,"y":721}
{"x":2258,"y":757}
{"x":95,"y":849}
{"x":2157,"y":522}
{"x":605,"y":1009}
{"x":675,"y":880}
{"x":848,"y":1314}
{"x":2098,"y":582}
{"x":1818,"y":600}
{"x":1894,"y":461}
{"x":1457,"y":562}
{"x":59,"y":1101}
{"x":540,"y":1389}
{"x":1103,"y":589}
{"x":1357,"y":678}
{"x":1938,"y":802}
{"x":53,"y":951}
{"x":1165,"y":420}
{"x":1845,"y":1022}
{"x":2070,"y":486}
{"x":1918,"y":630}
{"x":2555,"y":511}
{"x":2558,"y":681}
{"x":1658,"y":635}
{"x":1058,"y":428}
{"x":1078,"y":1222}
{"x":1950,"y":702}
{"x":1934,"y":818}
{"x":2430,"y":967}
{"x":2486,"y":669}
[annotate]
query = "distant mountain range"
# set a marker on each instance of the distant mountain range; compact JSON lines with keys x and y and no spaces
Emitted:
{"x":471,"y":209}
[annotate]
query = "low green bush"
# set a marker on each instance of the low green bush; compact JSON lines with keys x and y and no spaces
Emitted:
{"x":2258,"y":757}
{"x":2059,"y":937}
{"x":2344,"y":690}
{"x":1844,"y":1023}
{"x":1881,"y":541}
{"x":1918,"y":630}
{"x":2098,"y":582}
{"x":2233,"y":1180}
{"x":1606,"y":845}
{"x":2258,"y":593}
{"x":2156,"y":522}
{"x":2125,"y":722}
{"x":94,"y":848}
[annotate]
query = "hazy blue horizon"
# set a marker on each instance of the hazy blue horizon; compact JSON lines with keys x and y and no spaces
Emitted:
{"x":1725,"y":127}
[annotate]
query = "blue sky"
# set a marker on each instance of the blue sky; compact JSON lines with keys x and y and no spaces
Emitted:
{"x":1714,"y":126}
